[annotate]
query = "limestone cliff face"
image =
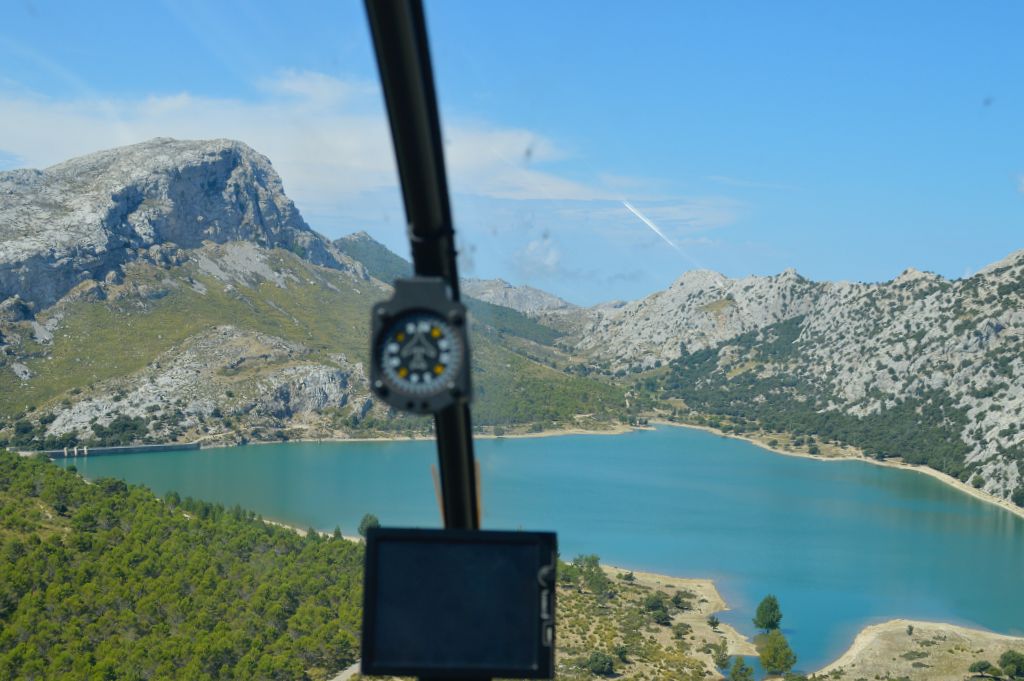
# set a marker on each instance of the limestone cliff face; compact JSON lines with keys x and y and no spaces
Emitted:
{"x":170,"y":290}
{"x":228,"y":372}
{"x":85,"y":218}
{"x":700,"y":309}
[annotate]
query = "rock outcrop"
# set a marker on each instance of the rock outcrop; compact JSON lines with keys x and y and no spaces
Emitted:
{"x":859,"y":348}
{"x":525,"y":299}
{"x":225,"y":372}
{"x":85,"y":218}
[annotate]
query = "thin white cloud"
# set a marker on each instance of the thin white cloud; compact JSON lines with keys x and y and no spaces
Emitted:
{"x":518,"y":216}
{"x":540,"y":258}
{"x":696,"y":214}
{"x":677,"y":217}
{"x":328,"y":138}
{"x":317,"y":89}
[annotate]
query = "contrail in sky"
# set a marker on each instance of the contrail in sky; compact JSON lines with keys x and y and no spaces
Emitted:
{"x":650,"y":224}
{"x":657,"y":230}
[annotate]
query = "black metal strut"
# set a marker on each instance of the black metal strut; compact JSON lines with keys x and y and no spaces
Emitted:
{"x":403,"y":56}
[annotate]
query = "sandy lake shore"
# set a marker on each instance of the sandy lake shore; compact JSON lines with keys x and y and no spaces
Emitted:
{"x":852,"y":454}
{"x":612,"y":429}
{"x":302,"y":533}
{"x":708,"y":602}
{"x":931,"y":651}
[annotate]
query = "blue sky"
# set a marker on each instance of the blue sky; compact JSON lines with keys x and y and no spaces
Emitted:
{"x":847,"y":140}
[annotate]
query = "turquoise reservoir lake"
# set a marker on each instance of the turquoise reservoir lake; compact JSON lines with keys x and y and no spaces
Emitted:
{"x":842,"y":544}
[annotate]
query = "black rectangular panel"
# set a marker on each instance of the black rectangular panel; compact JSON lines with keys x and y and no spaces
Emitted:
{"x":453,"y":603}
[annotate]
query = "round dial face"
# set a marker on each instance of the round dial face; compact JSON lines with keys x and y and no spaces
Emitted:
{"x":420,"y":354}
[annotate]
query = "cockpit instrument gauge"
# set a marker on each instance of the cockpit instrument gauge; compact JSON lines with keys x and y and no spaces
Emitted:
{"x":420,"y":350}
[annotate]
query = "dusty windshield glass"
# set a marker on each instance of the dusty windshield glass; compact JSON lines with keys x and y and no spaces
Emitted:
{"x":795,"y":226}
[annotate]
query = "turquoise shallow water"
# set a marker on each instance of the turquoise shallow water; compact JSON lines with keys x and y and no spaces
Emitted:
{"x":842,"y":544}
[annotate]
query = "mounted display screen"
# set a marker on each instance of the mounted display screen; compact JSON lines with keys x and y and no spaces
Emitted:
{"x":459,"y":604}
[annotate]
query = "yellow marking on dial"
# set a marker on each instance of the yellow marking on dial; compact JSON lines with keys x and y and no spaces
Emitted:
{"x":400,"y":336}
{"x":438,"y":369}
{"x":403,"y":372}
{"x":435,"y":332}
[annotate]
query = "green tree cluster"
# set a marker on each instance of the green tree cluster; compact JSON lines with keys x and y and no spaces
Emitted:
{"x":105,"y":581}
{"x":601,"y":664}
{"x":776,"y":655}
{"x":682,"y":600}
{"x":719,"y":652}
{"x":768,"y":615}
{"x":368,"y":522}
{"x":1012,"y":663}
{"x":741,"y":671}
{"x":585,"y":572}
{"x":923,"y":428}
{"x":983,"y":667}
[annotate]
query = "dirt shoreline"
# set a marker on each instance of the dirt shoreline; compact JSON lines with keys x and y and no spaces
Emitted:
{"x":613,"y":429}
{"x":710,"y":601}
{"x":903,"y":647}
{"x":850,"y":453}
{"x":302,"y":533}
{"x":858,"y":455}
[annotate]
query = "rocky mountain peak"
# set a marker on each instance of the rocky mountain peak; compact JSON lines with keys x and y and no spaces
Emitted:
{"x":1015,"y":259}
{"x":83,"y":218}
{"x":699,"y":279}
{"x":525,"y":299}
{"x":359,"y":237}
{"x":790,"y":274}
{"x":912,"y":275}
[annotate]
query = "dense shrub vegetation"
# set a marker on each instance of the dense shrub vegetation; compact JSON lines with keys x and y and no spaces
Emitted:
{"x":922,"y":429}
{"x":105,"y":581}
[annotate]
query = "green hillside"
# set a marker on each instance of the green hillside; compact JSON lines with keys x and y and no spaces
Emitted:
{"x":105,"y":581}
{"x":377,"y":258}
{"x":156,"y":309}
{"x":282,"y":314}
{"x":510,"y":322}
{"x":385,"y":265}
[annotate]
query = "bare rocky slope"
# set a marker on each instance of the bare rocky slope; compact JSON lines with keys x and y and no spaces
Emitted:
{"x":171,"y":291}
{"x":921,"y":367}
{"x":525,"y":299}
{"x":87,"y":217}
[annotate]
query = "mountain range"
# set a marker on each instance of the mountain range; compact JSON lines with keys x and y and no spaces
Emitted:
{"x":171,"y":291}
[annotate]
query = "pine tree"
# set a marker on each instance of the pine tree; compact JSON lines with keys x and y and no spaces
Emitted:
{"x":369,"y":520}
{"x":776,"y":655}
{"x":741,"y":671}
{"x":768,"y":615}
